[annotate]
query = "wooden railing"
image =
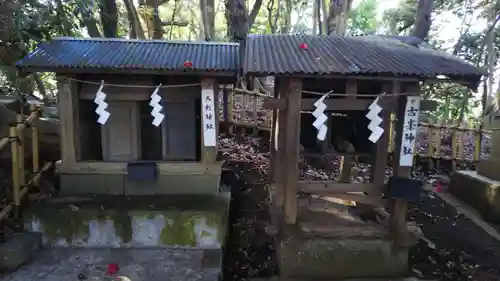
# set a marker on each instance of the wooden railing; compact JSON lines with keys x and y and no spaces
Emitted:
{"x":437,"y":142}
{"x":20,"y":181}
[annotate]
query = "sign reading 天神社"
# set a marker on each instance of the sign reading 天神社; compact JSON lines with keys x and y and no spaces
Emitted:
{"x":410,"y":126}
{"x":209,"y":115}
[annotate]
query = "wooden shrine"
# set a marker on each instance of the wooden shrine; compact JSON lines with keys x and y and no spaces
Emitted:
{"x":317,"y":235}
{"x":127,"y":153}
{"x":141,"y":118}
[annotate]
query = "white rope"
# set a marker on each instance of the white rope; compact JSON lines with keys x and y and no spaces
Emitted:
{"x":131,"y":86}
{"x":330,"y":93}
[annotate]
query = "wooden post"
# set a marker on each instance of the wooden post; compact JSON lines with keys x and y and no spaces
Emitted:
{"x":377,"y":171}
{"x":68,"y":111}
{"x":35,"y":154}
{"x":478,"y":137}
{"x":280,"y":141}
{"x":432,"y":132}
{"x":14,"y":148}
{"x":291,"y":152}
{"x":21,"y":166}
{"x":391,"y":132}
{"x":274,"y":177}
{"x":346,"y":161}
{"x":208,"y":153}
{"x":397,"y":221}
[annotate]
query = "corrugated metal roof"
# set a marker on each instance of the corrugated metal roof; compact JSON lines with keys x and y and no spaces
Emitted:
{"x":365,"y":55}
{"x":125,"y":54}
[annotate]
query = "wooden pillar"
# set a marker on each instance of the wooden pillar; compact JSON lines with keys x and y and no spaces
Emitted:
{"x":208,"y":152}
{"x":346,"y":161}
{"x":293,"y":88}
{"x":276,"y":151}
{"x":397,"y":221}
{"x":377,"y":173}
{"x":69,"y":120}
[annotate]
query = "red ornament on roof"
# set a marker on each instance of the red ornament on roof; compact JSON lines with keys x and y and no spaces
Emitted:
{"x":303,"y":46}
{"x":188,"y":64}
{"x":112,"y":269}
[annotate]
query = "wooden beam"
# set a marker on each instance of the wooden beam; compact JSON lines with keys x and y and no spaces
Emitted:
{"x":272,"y":103}
{"x":331,"y":187}
{"x":351,"y":89}
{"x":120,"y":168}
{"x":345,"y":104}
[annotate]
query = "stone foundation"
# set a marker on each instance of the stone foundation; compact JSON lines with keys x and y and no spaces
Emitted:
{"x":105,"y":184}
{"x":331,"y":241}
{"x":18,"y":249}
{"x":479,"y":192}
{"x":118,"y":221}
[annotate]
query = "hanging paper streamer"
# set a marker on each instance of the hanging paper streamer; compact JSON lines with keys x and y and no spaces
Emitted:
{"x":101,"y":111}
{"x":155,"y":104}
{"x":321,"y":118}
{"x":375,"y":121}
{"x":410,"y":127}
{"x":209,"y":115}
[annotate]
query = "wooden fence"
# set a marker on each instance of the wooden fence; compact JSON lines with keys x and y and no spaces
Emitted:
{"x":437,"y":141}
{"x":20,"y":181}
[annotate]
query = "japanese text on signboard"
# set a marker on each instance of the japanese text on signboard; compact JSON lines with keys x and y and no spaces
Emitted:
{"x":209,"y":116}
{"x":409,"y":134}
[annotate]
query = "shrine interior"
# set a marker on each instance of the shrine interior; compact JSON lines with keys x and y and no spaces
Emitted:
{"x":348,"y":129}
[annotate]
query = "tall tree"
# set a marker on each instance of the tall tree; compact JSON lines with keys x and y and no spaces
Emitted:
{"x":423,"y":19}
{"x":338,"y":14}
{"x":239,"y":21}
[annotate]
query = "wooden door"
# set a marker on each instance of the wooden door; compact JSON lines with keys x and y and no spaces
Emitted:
{"x":179,"y":130}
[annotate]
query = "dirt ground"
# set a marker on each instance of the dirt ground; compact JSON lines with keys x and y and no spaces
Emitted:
{"x":454,"y":248}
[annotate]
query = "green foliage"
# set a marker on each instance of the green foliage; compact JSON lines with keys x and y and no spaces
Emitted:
{"x":363,"y":19}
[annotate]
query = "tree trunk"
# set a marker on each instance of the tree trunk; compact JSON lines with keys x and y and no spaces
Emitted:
{"x":207,"y":9}
{"x":136,"y":30}
{"x":287,"y":22}
{"x":324,"y":16}
{"x":238,"y":20}
{"x":109,"y":18}
{"x":338,"y":14}
{"x":422,"y":23}
{"x":273,"y":17}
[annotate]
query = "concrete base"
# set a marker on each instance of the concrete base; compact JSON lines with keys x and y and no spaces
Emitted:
{"x":17,"y":250}
{"x":77,"y":184}
{"x":134,"y":265}
{"x":118,"y":221}
{"x":489,"y":168}
{"x":481,"y":193}
{"x":330,"y":241}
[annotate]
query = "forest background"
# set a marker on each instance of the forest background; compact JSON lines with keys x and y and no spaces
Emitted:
{"x":466,"y":28}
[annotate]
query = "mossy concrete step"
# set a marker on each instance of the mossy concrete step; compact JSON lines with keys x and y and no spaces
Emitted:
{"x":140,"y":221}
{"x":18,"y":249}
{"x":331,"y":242}
{"x":66,"y":264}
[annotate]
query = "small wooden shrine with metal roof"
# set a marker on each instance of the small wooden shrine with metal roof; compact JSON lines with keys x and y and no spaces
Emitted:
{"x":156,"y":116}
{"x":141,"y":118}
{"x":365,"y":79}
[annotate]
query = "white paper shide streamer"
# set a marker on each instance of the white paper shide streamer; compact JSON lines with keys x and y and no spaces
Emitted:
{"x":410,"y":127}
{"x":375,"y":121}
{"x":155,"y":103}
{"x":321,"y":118}
{"x":209,"y":115}
{"x":101,"y":111}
